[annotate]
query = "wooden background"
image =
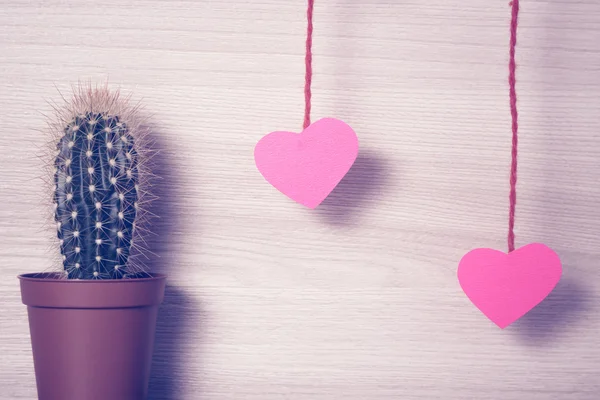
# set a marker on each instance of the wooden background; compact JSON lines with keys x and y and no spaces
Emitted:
{"x":359,"y":298}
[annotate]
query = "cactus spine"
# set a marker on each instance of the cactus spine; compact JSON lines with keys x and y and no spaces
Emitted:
{"x":97,"y":191}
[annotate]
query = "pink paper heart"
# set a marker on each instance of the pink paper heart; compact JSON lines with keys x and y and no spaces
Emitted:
{"x":507,"y":286}
{"x":306,"y":167}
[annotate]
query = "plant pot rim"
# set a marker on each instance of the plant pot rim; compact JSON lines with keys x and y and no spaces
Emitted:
{"x":52,"y":290}
{"x":57,"y":277}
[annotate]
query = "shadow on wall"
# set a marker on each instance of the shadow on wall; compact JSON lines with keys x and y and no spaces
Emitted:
{"x":364,"y":183}
{"x":566,"y":165}
{"x":566,"y":305}
{"x":355,"y":191}
{"x":173,"y":331}
{"x":175,"y":314}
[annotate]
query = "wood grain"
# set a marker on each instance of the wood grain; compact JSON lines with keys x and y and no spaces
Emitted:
{"x":359,"y":298}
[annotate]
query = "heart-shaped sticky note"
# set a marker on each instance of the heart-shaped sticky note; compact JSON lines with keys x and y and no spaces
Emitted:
{"x":307,"y":166}
{"x":507,"y":286}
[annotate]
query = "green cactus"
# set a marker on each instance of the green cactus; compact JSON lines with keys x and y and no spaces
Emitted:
{"x":99,"y":174}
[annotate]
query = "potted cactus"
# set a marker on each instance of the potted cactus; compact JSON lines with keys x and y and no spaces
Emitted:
{"x":92,"y":322}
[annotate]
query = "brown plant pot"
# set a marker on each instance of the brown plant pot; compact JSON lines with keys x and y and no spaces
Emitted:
{"x":92,"y":340}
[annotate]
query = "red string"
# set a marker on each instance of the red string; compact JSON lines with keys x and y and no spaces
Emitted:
{"x":308,"y":63}
{"x":515,"y":127}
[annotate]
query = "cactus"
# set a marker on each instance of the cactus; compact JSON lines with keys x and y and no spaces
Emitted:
{"x":98,"y":173}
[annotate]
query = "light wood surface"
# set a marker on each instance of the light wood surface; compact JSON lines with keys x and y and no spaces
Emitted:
{"x":359,"y":298}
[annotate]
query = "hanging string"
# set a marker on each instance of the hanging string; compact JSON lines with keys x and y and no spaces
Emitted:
{"x":308,"y":63}
{"x":515,"y":126}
